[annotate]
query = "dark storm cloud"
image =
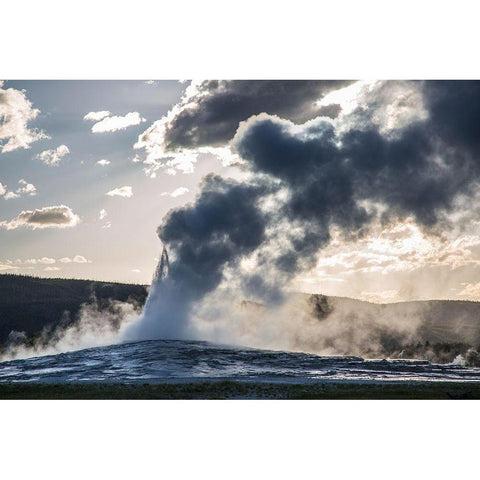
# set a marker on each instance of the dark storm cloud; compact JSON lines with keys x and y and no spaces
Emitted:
{"x":319,"y":181}
{"x":271,"y":146}
{"x":316,"y":174}
{"x":218,"y":107}
{"x":222,"y":226}
{"x":455,"y":112}
{"x":329,"y":176}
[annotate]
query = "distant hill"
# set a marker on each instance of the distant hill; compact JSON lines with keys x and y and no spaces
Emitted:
{"x":28,"y":304}
{"x":439,"y":320}
{"x":437,"y":330}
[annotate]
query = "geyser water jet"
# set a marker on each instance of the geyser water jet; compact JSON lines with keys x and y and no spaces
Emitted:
{"x":165,"y":314}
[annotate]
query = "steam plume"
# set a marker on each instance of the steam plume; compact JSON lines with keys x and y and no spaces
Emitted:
{"x":307,"y":179}
{"x":94,"y":326}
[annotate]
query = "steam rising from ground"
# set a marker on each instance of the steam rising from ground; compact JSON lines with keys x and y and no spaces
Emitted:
{"x":312,"y":324}
{"x":299,"y":322}
{"x":394,"y":151}
{"x":398,"y":151}
{"x":93,"y":327}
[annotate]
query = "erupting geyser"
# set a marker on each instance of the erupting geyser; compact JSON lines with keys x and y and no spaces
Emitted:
{"x":161,"y":271}
{"x":302,"y":185}
{"x":165,"y":313}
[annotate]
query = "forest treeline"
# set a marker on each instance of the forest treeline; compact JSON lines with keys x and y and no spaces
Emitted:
{"x":28,"y":304}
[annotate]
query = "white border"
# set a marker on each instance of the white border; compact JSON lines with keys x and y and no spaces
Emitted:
{"x":148,"y":39}
{"x":248,"y":39}
{"x":239,"y":440}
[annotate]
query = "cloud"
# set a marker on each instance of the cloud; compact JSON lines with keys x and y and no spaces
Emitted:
{"x":177,"y":193}
{"x":206,"y":118}
{"x":210,"y":112}
{"x":16,"y":111}
{"x":24,"y":188}
{"x":470,"y":291}
{"x":34,"y":261}
{"x":409,"y":157}
{"x":115,"y":123}
{"x":7,"y":266}
{"x":53,"y":157}
{"x":103,"y":162}
{"x":75,"y":259}
{"x":385,"y":296}
{"x":96,"y":116}
{"x":80,"y":259}
{"x":10,"y":195}
{"x":398,"y":247}
{"x":136,"y":270}
{"x":103,"y":214}
{"x":51,"y":269}
{"x":223,"y":225}
{"x":125,"y":191}
{"x":59,"y":216}
{"x":43,"y":260}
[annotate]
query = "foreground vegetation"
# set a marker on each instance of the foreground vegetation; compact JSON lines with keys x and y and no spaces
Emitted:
{"x":224,"y":390}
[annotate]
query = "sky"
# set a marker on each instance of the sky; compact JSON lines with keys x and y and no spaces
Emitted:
{"x":371,"y":184}
{"x":120,"y":246}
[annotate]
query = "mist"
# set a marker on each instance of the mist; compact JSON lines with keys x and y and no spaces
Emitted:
{"x":94,"y":326}
{"x":397,"y":155}
{"x":397,"y":152}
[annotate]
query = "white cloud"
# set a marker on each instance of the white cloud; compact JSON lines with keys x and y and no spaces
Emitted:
{"x":34,"y":261}
{"x":177,"y":193}
{"x":400,"y":247}
{"x":103,"y":162}
{"x":53,"y":157}
{"x":103,"y":214}
{"x":10,"y":195}
{"x":46,"y":260}
{"x":125,"y":191}
{"x":112,"y":124}
{"x":25,"y":188}
{"x":136,"y":270}
{"x":385,"y":296}
{"x":157,"y":155}
{"x":16,"y":112}
{"x":96,"y":116}
{"x":153,"y":141}
{"x":75,"y":259}
{"x":80,"y":259}
{"x":388,"y":105}
{"x":470,"y":291}
{"x":5,"y":267}
{"x":58,"y":216}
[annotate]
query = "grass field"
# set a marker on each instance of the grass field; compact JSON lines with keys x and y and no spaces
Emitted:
{"x":243,"y":390}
